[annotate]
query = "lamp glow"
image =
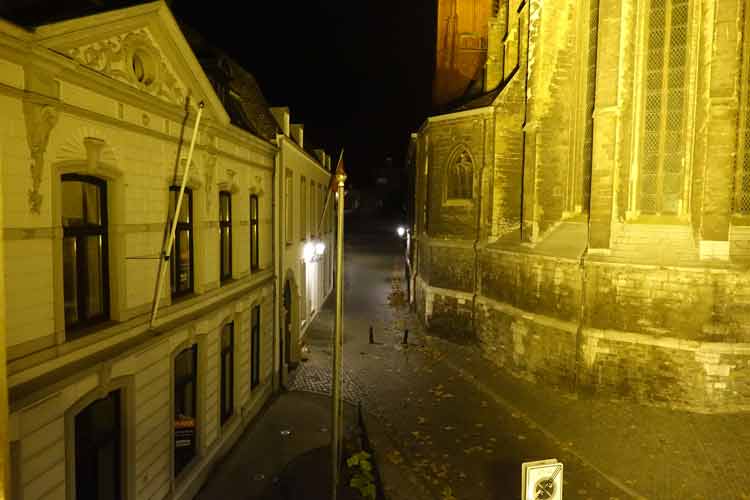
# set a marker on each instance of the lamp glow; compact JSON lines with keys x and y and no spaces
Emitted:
{"x":308,"y":252}
{"x":320,"y":247}
{"x":401,"y":231}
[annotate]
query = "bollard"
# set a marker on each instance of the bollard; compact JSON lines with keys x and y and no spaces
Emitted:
{"x":406,"y":337}
{"x":372,"y":338}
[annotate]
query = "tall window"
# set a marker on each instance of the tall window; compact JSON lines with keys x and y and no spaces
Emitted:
{"x":742,"y":181}
{"x":185,"y":407}
{"x":227,"y":372}
{"x":590,"y":99}
{"x":255,"y":347}
{"x":289,"y":209}
{"x":302,"y":209}
{"x":662,"y":169}
{"x":98,"y":449}
{"x":254,"y":233}
{"x":225,"y":230}
{"x":85,"y":273}
{"x":181,"y":260}
{"x":460,"y":176}
{"x":313,"y":208}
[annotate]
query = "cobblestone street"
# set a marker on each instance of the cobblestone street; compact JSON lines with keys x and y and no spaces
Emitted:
{"x":460,"y":428}
{"x":451,"y":439}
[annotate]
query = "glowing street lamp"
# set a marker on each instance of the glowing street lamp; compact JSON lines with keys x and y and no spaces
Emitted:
{"x":401,"y":231}
{"x":308,"y":252}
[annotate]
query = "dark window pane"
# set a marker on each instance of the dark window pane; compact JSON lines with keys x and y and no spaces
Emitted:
{"x":174,"y":193}
{"x":225,"y":253}
{"x":72,"y":203}
{"x":227,"y":372}
{"x":183,"y":278}
{"x":185,"y":372}
{"x":97,"y":449}
{"x":224,"y":206}
{"x":70,"y":281}
{"x":84,"y":250}
{"x":95,"y":298}
{"x":92,"y":203}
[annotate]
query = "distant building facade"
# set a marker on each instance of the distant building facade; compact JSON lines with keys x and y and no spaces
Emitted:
{"x":585,"y":220}
{"x":92,"y":150}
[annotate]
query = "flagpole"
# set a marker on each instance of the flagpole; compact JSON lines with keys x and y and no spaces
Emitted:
{"x":338,"y":344}
{"x":328,"y":193}
{"x":166,"y":253}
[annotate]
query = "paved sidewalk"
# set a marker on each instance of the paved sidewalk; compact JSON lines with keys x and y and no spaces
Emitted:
{"x":281,"y":453}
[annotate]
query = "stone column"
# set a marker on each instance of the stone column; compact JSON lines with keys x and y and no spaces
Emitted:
{"x":721,"y":42}
{"x":607,"y":119}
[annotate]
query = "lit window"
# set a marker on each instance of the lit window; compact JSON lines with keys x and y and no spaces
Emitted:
{"x":85,"y":273}
{"x":254,"y":233}
{"x":661,"y":173}
{"x":742,"y":181}
{"x":185,"y":406}
{"x":225,"y":230}
{"x":181,"y":259}
{"x":302,"y":209}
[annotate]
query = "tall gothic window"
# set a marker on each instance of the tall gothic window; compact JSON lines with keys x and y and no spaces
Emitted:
{"x":588,"y":138}
{"x":460,"y":176}
{"x":742,"y":181}
{"x":662,"y":165}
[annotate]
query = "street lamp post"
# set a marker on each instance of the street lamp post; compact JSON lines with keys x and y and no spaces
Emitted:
{"x":405,"y":234}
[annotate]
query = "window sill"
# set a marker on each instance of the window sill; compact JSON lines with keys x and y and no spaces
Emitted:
{"x":676,"y":220}
{"x":79,"y":332}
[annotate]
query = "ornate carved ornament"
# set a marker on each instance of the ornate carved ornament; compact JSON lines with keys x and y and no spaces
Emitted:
{"x":133,"y":58}
{"x":40,"y":120}
{"x":209,"y":174}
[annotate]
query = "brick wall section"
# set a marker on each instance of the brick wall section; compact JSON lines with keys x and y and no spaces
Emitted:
{"x":452,"y":221}
{"x":452,"y":267}
{"x":544,"y":285}
{"x":538,"y":351}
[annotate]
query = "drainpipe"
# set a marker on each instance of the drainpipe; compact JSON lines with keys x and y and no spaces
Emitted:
{"x":478,"y":232}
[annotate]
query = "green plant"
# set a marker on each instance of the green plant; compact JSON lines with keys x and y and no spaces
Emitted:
{"x":362,"y":479}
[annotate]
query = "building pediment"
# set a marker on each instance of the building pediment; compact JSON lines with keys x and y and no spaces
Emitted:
{"x":141,"y":47}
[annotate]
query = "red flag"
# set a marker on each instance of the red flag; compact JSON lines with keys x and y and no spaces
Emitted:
{"x":339,"y":170}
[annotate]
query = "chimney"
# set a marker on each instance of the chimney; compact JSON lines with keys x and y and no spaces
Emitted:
{"x":281,"y":115}
{"x":320,"y":154}
{"x":298,"y":133}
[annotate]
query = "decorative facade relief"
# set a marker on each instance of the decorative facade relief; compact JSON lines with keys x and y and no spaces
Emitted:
{"x":40,"y":120}
{"x":210,"y":174}
{"x":133,"y":58}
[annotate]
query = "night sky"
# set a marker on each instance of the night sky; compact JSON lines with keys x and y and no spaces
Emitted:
{"x":357,"y":74}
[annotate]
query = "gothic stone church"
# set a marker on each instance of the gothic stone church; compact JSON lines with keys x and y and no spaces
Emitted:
{"x":582,"y":207}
